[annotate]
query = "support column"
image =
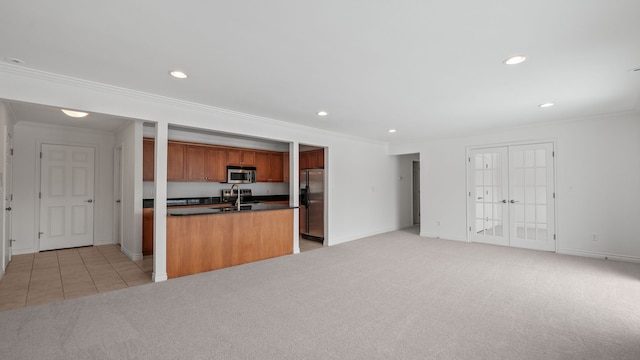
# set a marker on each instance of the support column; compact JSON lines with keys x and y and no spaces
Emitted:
{"x":294,"y":191}
{"x":160,"y":204}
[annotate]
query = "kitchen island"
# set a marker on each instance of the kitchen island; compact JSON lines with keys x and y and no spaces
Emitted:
{"x":204,"y":239}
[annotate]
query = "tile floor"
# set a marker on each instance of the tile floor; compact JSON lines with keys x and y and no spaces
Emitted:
{"x":35,"y":279}
{"x":306,"y":245}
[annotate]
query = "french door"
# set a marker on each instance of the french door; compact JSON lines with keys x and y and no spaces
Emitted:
{"x":511,"y":196}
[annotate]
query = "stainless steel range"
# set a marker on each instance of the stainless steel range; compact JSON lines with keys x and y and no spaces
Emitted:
{"x":231,"y":195}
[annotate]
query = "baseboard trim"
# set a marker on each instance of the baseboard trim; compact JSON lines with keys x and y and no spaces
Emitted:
{"x":363,"y":235}
{"x":130,"y":255}
{"x":443,"y":237}
{"x":599,"y":255}
{"x":159,"y":277}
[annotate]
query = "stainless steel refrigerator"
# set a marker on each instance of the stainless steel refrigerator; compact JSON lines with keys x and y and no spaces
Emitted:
{"x":312,"y":204}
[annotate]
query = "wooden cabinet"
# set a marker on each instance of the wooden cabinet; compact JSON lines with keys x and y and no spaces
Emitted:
{"x":285,"y":167}
{"x":268,"y":167}
{"x":215,"y":161}
{"x":147,"y":231}
{"x":176,"y":156}
{"x":241,"y":157}
{"x":262,"y":167}
{"x":204,"y":163}
{"x":201,"y":162}
{"x":194,"y":162}
{"x":192,"y":246}
{"x":148,"y":156}
{"x":313,"y":159}
{"x":275,"y":167}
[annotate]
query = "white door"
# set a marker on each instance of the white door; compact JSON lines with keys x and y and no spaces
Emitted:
{"x":8,"y":197}
{"x":488,"y":195}
{"x":511,"y":197}
{"x":531,"y":193}
{"x":66,"y":196}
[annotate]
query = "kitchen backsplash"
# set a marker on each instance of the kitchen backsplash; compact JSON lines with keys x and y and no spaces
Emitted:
{"x":203,"y":189}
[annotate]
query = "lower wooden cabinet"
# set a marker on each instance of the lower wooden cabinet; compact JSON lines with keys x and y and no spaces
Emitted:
{"x":193,"y":247}
{"x":147,"y":231}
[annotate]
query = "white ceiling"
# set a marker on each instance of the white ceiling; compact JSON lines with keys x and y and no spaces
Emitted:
{"x":426,"y":68}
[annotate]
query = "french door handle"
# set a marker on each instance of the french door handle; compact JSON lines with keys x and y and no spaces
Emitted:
{"x":514,"y":201}
{"x":504,"y":201}
{"x":89,"y":201}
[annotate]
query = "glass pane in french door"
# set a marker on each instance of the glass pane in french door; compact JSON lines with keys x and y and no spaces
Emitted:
{"x":531,"y":191}
{"x":488,"y":194}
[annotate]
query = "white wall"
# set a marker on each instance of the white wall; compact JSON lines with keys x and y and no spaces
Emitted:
{"x":26,"y":180}
{"x":130,"y":138}
{"x":597,"y":177}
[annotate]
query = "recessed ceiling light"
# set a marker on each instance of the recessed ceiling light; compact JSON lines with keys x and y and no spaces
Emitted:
{"x":14,"y":60}
{"x":515,"y":60}
{"x":546,"y":105}
{"x":75,"y":114}
{"x":178,"y":74}
{"x":392,"y":131}
{"x":322,"y":113}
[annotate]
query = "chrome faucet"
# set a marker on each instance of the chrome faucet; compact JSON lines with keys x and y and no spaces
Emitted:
{"x":238,"y":190}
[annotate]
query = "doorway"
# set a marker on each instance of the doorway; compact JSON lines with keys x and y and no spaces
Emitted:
{"x":312,"y":185}
{"x":66,"y":196}
{"x":511,"y":197}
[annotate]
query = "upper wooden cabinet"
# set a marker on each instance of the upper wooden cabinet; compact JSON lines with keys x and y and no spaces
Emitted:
{"x":202,"y":162}
{"x":195,"y":163}
{"x":241,"y":157}
{"x":176,"y":156}
{"x":148,"y":155}
{"x":206,"y":163}
{"x":215,"y":161}
{"x":269,"y":167}
{"x":313,"y":159}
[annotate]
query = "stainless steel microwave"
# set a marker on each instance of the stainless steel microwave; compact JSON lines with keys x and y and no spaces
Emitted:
{"x":241,"y":174}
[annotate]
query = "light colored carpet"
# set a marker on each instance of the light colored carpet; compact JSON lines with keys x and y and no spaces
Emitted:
{"x":391,"y":296}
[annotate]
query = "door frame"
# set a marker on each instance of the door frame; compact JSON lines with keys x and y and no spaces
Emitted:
{"x":6,"y":177}
{"x":556,"y":158}
{"x":117,"y":193}
{"x":38,"y":185}
{"x":415,"y":192}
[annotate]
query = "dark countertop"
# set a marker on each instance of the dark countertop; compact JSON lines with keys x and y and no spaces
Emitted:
{"x":225,"y":210}
{"x":148,"y":203}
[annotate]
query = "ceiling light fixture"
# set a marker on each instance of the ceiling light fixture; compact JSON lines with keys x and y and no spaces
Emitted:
{"x":322,"y":113}
{"x":514,"y":60}
{"x":178,"y":74}
{"x":392,"y":131}
{"x":546,"y":105}
{"x":75,"y":114}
